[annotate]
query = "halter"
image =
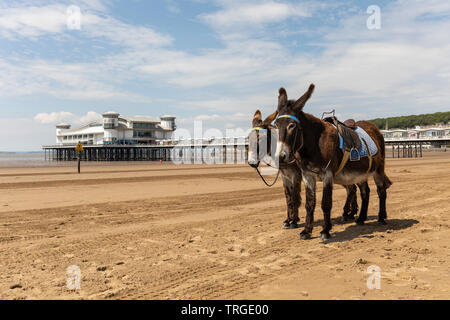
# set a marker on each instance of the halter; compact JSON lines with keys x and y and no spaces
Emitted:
{"x":295,"y":138}
{"x":290,"y":117}
{"x":257,"y":170}
{"x":259,"y":129}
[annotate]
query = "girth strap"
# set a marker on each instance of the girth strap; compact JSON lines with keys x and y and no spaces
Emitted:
{"x":347,"y":155}
{"x":344,"y":161}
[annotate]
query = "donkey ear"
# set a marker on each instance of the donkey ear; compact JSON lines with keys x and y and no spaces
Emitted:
{"x":270,"y":118}
{"x":300,"y":103}
{"x":257,"y":116}
{"x":282,"y":98}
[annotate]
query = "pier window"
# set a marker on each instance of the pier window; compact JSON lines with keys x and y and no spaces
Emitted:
{"x":143,"y":134}
{"x":141,"y":125}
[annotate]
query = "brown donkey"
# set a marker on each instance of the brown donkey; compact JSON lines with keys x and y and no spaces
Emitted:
{"x":314,"y":145}
{"x":260,"y":135}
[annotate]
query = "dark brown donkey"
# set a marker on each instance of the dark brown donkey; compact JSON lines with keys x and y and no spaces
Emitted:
{"x":260,"y":135}
{"x":314,"y":145}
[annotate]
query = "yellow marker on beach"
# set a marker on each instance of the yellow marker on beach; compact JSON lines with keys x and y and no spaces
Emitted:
{"x":78,"y":149}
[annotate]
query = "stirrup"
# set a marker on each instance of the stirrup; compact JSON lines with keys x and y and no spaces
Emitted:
{"x":355,"y":155}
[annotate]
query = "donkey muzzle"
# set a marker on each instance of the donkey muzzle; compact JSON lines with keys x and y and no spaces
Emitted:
{"x":284,"y":156}
{"x":253,"y":163}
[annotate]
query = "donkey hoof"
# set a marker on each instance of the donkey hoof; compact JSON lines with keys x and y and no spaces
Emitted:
{"x":286,"y":225}
{"x":360,"y":223}
{"x":305,"y":236}
{"x":293,"y":226}
{"x":382,"y":222}
{"x":325,"y":235}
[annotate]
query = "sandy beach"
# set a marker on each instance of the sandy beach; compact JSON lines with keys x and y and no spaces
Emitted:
{"x":160,"y":231}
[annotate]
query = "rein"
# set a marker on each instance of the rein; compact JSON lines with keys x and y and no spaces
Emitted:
{"x":264,"y":180}
{"x":257,"y":170}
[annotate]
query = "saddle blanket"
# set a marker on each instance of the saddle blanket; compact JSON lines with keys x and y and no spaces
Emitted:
{"x":362,"y":149}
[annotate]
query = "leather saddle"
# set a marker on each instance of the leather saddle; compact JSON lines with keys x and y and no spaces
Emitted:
{"x":346,"y":130}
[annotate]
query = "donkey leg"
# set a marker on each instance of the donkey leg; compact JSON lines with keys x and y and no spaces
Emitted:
{"x":310,"y":188}
{"x":347,"y":206}
{"x":292,"y":187}
{"x":354,"y":205}
{"x":327,"y":203}
{"x":382,"y":184}
{"x":287,"y":222}
{"x":297,"y":201}
{"x":286,"y":185}
{"x":351,"y":204}
{"x":365,"y":193}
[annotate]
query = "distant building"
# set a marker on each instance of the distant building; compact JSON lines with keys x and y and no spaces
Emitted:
{"x":118,"y":129}
{"x":417,"y":133}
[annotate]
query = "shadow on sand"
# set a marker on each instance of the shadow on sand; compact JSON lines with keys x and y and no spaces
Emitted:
{"x":371,"y":226}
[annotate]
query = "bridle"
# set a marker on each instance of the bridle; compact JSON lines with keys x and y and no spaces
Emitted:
{"x":295,"y":136}
{"x":257,"y":129}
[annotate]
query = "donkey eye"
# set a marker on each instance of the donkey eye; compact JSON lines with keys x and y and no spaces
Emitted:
{"x":291,"y":126}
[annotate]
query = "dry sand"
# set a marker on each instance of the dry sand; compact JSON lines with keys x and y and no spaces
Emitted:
{"x":214,"y":232}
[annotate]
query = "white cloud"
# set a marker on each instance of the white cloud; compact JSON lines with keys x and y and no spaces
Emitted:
{"x":97,"y":5}
{"x":32,"y":21}
{"x":73,"y":81}
{"x":36,"y":21}
{"x":69,"y":117}
{"x":95,"y":80}
{"x":119,"y":33}
{"x":242,"y":13}
{"x":233,"y":65}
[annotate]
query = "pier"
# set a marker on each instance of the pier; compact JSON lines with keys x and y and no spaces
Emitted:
{"x":414,"y":147}
{"x":226,"y":152}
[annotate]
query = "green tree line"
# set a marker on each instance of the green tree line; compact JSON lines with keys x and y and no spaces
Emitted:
{"x":405,"y":122}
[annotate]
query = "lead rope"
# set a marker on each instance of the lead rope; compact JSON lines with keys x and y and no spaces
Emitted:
{"x":264,"y":180}
{"x":260,"y":175}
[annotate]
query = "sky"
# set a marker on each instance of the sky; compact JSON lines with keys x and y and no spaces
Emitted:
{"x":216,"y":61}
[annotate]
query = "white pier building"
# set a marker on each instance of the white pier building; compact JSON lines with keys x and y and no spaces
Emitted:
{"x":116,"y":129}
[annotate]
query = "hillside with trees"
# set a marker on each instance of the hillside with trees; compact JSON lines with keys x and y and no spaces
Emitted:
{"x":405,"y":122}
